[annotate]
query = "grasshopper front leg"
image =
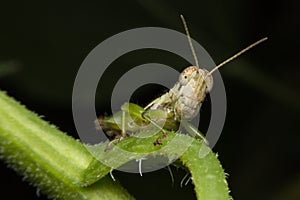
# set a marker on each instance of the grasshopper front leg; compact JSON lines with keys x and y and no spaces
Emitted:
{"x":159,"y":117}
{"x":131,"y":114}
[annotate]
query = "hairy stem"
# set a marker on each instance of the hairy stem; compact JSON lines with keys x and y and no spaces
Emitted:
{"x":49,"y":159}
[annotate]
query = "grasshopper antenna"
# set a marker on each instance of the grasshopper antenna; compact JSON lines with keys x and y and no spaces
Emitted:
{"x":237,"y":55}
{"x":190,"y":40}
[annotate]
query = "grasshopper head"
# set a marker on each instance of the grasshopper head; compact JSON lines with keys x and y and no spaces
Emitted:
{"x":193,"y":73}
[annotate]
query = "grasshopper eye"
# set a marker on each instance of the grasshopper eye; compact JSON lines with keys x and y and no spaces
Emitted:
{"x":183,"y":79}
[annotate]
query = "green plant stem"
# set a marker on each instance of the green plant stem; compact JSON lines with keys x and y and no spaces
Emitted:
{"x":59,"y":165}
{"x":207,"y":173}
{"x":48,"y":158}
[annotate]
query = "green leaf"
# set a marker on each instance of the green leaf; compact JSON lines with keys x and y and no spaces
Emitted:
{"x":204,"y":166}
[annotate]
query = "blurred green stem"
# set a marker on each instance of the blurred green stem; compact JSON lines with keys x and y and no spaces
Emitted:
{"x":48,"y":158}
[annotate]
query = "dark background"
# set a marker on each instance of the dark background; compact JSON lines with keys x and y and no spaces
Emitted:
{"x":42,"y":45}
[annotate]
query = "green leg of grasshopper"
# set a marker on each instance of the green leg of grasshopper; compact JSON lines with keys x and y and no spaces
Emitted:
{"x":130,"y":113}
{"x":123,"y":121}
{"x":147,"y":117}
{"x":139,"y":113}
{"x":193,"y":131}
{"x":190,"y":128}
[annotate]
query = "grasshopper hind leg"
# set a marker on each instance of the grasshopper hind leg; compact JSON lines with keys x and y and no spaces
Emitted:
{"x":158,"y":141}
{"x":144,"y":115}
{"x":113,"y":142}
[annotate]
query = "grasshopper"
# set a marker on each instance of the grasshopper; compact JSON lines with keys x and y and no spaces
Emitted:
{"x":179,"y":105}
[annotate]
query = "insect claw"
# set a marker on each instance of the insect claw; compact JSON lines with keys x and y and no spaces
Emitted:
{"x":108,"y":146}
{"x":115,"y":141}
